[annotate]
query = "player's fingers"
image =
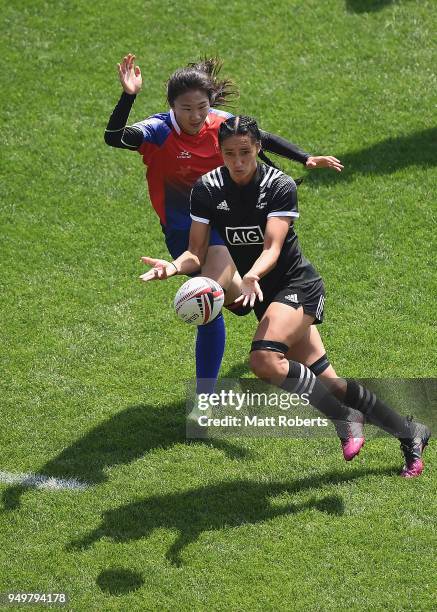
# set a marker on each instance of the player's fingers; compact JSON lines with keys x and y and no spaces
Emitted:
{"x":332,"y":162}
{"x":148,"y":276}
{"x":252,"y":299}
{"x":336,"y":166}
{"x":239,"y":299}
{"x":260,"y":295}
{"x":156,"y":271}
{"x":149,"y":261}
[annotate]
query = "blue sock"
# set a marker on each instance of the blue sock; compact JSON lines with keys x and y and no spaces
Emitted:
{"x":210,"y":346}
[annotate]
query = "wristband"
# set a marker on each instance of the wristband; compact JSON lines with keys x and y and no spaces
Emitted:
{"x":174,"y":265}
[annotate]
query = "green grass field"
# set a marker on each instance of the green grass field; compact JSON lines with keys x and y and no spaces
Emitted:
{"x":94,"y":364}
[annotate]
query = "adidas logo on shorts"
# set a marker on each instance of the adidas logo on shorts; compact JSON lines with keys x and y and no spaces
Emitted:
{"x":291,"y":298}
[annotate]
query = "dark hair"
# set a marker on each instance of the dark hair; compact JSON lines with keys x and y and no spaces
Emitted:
{"x":240,"y":125}
{"x":201,"y":75}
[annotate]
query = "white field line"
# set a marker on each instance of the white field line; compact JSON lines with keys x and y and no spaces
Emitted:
{"x":39,"y":481}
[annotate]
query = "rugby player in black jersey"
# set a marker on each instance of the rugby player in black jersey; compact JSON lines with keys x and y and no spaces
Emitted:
{"x":253,"y":207}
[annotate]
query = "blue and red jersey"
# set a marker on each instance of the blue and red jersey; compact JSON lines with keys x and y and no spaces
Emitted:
{"x":175,"y":160}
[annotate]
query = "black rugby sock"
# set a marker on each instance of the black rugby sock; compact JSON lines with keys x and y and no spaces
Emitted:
{"x":377,"y":412}
{"x":301,"y":380}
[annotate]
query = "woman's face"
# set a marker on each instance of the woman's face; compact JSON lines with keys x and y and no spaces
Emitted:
{"x":240,"y":157}
{"x":191,"y":109}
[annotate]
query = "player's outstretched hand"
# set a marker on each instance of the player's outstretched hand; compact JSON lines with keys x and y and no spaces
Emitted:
{"x":161,"y":269}
{"x":250,"y":290}
{"x":130,"y":75}
{"x":324,"y":161}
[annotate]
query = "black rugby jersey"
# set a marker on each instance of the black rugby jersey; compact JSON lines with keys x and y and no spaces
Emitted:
{"x":240,"y":213}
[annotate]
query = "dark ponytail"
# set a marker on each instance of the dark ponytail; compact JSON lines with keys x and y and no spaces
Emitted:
{"x":202,"y":75}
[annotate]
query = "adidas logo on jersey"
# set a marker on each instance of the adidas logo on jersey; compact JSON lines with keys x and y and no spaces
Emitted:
{"x":223,"y":205}
{"x":291,"y":298}
{"x":184,"y":155}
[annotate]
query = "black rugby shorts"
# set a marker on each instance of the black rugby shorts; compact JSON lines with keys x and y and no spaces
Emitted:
{"x":310,"y":296}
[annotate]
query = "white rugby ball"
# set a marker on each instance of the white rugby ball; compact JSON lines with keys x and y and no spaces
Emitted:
{"x":199,"y":300}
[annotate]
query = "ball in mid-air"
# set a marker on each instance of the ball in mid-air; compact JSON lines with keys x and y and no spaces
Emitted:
{"x":199,"y":300}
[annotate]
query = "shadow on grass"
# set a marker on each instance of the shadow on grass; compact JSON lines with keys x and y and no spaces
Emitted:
{"x":119,"y":581}
{"x":123,"y":438}
{"x":384,"y":157}
{"x":368,"y":6}
{"x":215,"y":507}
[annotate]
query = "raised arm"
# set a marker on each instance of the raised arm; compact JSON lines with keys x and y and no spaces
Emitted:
{"x":117,"y":133}
{"x":285,"y":148}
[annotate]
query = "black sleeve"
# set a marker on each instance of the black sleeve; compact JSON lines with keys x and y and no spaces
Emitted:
{"x":199,"y":199}
{"x":280,"y":146}
{"x":117,"y":133}
{"x":283,"y":200}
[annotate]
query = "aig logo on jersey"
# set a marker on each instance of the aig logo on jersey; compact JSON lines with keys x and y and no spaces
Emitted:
{"x":244,"y":236}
